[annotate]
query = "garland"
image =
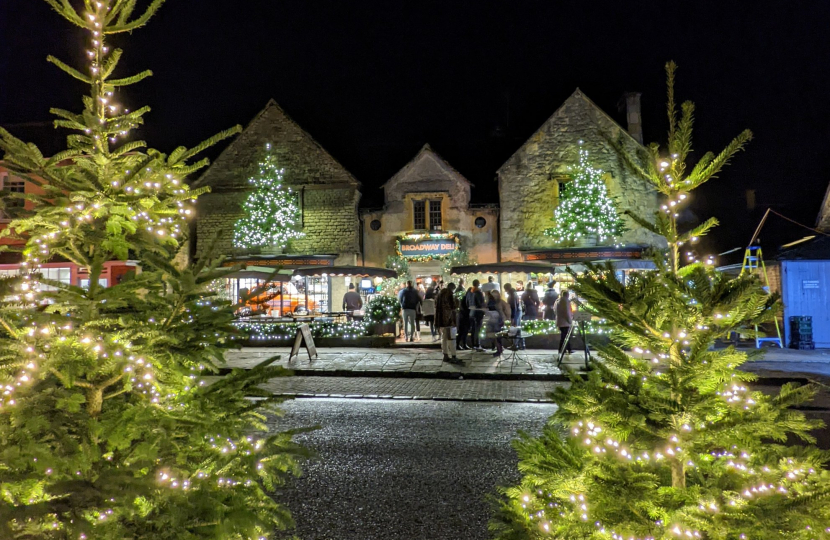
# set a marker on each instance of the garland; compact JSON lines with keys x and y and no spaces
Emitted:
{"x":284,"y":331}
{"x":426,"y":236}
{"x":383,"y":309}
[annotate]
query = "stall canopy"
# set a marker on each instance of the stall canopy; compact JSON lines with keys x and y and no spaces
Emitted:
{"x":367,"y":271}
{"x":254,"y":272}
{"x":503,"y":267}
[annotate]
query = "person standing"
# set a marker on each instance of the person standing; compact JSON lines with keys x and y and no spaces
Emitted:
{"x":564,"y":320}
{"x":499,"y":313}
{"x":410,"y":301}
{"x":352,"y":302}
{"x":446,"y":306}
{"x":549,"y":300}
{"x":475,"y":300}
{"x":515,"y":312}
{"x":463,"y":318}
{"x":489,"y":287}
{"x":428,"y":309}
{"x":530,"y":299}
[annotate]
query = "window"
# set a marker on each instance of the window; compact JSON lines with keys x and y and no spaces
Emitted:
{"x":102,"y":282}
{"x":480,"y":222}
{"x":435,"y":215}
{"x":64,"y":275}
{"x":12,"y":186}
{"x":375,"y":225}
{"x":419,"y":215}
{"x":563,"y":186}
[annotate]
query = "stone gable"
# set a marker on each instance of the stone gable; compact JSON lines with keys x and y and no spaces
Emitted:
{"x":328,"y":193}
{"x":823,"y":220}
{"x":428,"y":172}
{"x":528,"y":180}
{"x":304,"y":160}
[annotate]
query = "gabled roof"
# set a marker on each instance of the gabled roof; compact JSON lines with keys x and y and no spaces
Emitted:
{"x":578,"y":99}
{"x":426,"y":152}
{"x":304,"y":156}
{"x":823,"y":219}
{"x":817,"y":249}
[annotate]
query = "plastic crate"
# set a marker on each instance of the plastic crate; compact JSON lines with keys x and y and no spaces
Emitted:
{"x":806,"y":346}
{"x":801,"y":318}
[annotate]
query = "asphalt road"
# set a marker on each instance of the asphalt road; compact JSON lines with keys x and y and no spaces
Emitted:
{"x":391,"y":469}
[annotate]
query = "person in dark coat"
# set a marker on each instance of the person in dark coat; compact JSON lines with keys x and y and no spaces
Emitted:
{"x":530,"y":299}
{"x":463,"y":319}
{"x":477,"y":306}
{"x":446,"y":306}
{"x":549,"y":300}
{"x":410,"y":302}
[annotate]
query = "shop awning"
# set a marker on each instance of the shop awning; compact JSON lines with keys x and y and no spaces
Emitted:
{"x":362,"y":271}
{"x":503,"y":268}
{"x":618,"y":265}
{"x":254,"y":272}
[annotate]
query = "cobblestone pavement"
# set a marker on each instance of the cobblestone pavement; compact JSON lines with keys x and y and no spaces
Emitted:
{"x":413,"y":388}
{"x":406,"y":361}
{"x":403,"y":470}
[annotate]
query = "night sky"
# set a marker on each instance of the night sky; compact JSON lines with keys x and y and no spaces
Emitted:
{"x":373,"y":81}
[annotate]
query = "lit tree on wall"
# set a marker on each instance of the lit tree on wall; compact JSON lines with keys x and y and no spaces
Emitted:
{"x":107,"y":429}
{"x":272,"y":215}
{"x":663,"y":439}
{"x":585,"y":209}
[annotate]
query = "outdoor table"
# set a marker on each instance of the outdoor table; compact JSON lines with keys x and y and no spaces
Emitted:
{"x":511,"y":343}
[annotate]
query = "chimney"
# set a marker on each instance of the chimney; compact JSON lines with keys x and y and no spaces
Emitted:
{"x":633,"y":116}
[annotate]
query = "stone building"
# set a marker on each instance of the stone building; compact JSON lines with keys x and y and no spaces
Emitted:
{"x":426,"y":216}
{"x":531,"y":179}
{"x":328,"y":196}
{"x":823,"y":220}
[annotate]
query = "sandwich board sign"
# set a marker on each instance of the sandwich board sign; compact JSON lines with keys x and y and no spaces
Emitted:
{"x":303,"y":337}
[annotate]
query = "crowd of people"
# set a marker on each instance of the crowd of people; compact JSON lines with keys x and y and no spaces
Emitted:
{"x":455,"y":314}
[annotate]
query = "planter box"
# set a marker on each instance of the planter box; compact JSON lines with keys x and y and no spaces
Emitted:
{"x":374,"y":342}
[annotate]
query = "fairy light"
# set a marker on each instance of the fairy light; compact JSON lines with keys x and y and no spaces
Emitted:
{"x":272,"y":213}
{"x":585,"y":208}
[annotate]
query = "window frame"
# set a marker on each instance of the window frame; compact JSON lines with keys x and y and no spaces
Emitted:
{"x":419,"y":210}
{"x":434,"y":209}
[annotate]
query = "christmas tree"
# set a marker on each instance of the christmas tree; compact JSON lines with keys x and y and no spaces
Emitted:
{"x":585,"y":210}
{"x":663,"y":439}
{"x":108,"y":428}
{"x":273,"y":217}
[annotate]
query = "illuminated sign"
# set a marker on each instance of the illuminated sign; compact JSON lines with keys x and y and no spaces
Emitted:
{"x":427,"y":247}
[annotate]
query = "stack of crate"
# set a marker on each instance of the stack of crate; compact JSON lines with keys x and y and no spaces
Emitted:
{"x":801,"y":333}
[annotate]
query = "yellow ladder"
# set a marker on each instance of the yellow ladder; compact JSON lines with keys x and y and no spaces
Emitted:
{"x":753,"y":260}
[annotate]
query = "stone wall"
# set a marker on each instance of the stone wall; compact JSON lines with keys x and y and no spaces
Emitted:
{"x":330,"y":222}
{"x":528,"y":181}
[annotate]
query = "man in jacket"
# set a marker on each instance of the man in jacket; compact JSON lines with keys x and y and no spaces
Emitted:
{"x":410,"y":301}
{"x":352,"y":302}
{"x":445,"y":313}
{"x":564,"y":320}
{"x":475,"y":301}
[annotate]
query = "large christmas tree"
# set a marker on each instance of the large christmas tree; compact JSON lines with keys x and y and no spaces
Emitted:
{"x":585,"y":212}
{"x":272,"y":215}
{"x":663,"y":439}
{"x":108,"y":428}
